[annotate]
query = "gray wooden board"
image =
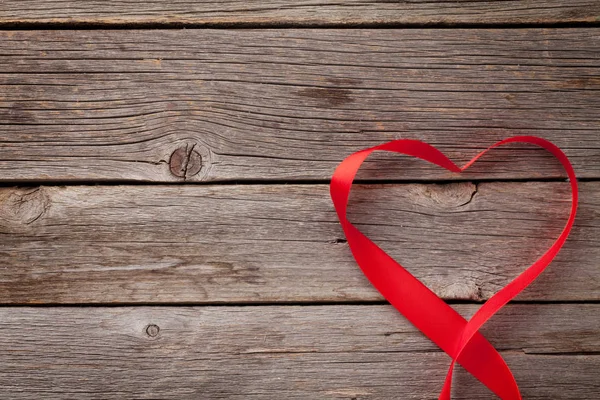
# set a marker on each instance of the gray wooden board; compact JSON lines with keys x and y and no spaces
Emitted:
{"x":217,"y":105}
{"x":283,"y":243}
{"x":275,"y":352}
{"x":306,"y":12}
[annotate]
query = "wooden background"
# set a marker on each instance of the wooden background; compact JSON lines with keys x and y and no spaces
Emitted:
{"x":165,"y":225}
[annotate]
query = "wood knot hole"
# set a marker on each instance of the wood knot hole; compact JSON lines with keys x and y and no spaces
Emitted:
{"x":152,"y":330}
{"x":185,"y":162}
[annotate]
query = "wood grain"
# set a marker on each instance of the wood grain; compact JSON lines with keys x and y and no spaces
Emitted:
{"x":283,"y":243}
{"x":232,"y":105}
{"x":286,"y":12}
{"x":297,"y":352}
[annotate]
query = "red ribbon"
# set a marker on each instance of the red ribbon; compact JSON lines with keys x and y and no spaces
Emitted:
{"x":459,"y":338}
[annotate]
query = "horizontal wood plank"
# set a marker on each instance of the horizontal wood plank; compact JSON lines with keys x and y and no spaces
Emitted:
{"x":306,"y":12}
{"x":283,"y":243}
{"x":228,"y":105}
{"x":319,"y":352}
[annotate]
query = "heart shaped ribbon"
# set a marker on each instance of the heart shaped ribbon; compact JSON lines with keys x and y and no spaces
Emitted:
{"x":459,"y":338}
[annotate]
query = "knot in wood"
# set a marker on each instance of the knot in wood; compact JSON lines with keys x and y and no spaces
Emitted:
{"x":185,"y":162}
{"x":152,"y":330}
{"x":24,"y":206}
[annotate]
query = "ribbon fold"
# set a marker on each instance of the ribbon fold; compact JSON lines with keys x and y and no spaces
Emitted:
{"x":456,"y":336}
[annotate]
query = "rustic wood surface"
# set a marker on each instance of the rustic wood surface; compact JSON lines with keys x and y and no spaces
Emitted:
{"x":153,"y":285}
{"x":223,"y":105}
{"x":324,"y":352}
{"x":289,"y":12}
{"x":283,"y":243}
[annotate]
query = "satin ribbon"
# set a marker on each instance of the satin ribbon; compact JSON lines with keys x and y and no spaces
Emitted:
{"x":456,"y":336}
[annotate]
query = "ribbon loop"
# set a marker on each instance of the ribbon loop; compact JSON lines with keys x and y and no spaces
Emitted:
{"x":459,"y":338}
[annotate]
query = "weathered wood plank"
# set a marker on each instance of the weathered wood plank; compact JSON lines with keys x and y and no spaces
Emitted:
{"x":291,"y":104}
{"x":317,"y":13}
{"x":281,"y":243}
{"x":332,"y":352}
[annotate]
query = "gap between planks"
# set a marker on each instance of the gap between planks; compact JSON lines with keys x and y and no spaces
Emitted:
{"x":358,"y":181}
